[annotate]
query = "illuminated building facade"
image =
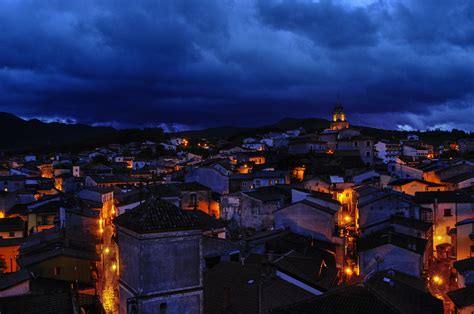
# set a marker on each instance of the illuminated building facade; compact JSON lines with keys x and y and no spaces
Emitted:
{"x":339,"y":119}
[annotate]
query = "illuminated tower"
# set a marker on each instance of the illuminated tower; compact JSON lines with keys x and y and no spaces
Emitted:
{"x":339,"y":119}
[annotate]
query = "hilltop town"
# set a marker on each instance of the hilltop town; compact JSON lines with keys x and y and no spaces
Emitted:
{"x":339,"y":219}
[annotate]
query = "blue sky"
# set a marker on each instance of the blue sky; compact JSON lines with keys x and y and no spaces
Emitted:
{"x":190,"y":64}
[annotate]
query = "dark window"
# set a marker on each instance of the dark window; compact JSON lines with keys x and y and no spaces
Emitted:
{"x":57,"y":271}
{"x":11,"y":234}
{"x":447,"y":212}
{"x":368,"y":143}
{"x":367,"y":154}
{"x":356,"y":144}
{"x":193,"y":199}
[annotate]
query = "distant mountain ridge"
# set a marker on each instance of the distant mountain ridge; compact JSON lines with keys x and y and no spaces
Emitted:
{"x":16,"y":133}
{"x":309,"y":124}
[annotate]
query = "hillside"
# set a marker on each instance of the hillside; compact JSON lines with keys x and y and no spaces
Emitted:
{"x":310,"y":125}
{"x":235,"y":134}
{"x":16,"y":133}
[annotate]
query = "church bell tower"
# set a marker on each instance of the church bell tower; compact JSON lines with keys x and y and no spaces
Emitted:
{"x":339,"y":119}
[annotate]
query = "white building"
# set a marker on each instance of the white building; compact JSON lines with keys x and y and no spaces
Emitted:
{"x":415,"y":151}
{"x":387,"y":151}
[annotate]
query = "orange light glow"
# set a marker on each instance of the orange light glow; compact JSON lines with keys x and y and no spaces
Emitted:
{"x":437,"y":280}
{"x":347,"y":218}
{"x":2,"y":214}
{"x":348,"y":271}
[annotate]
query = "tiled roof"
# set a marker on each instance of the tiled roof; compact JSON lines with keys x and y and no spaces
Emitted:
{"x":395,"y":195}
{"x":105,"y":179}
{"x":387,"y":236}
{"x":442,"y":197}
{"x":260,"y":175}
{"x":310,"y":204}
{"x":39,"y":257}
{"x":356,"y":299}
{"x":460,"y":178}
{"x":207,"y":222}
{"x":12,"y":242}
{"x":404,"y":292}
{"x":313,"y":267}
{"x":13,"y":279}
{"x":462,"y":297}
{"x":402,"y":182}
{"x":403,"y":221}
{"x":98,"y":189}
{"x":231,"y":287}
{"x":12,"y":224}
{"x":270,"y":193}
{"x":38,"y":304}
{"x":156,"y":215}
{"x":464,"y":265}
{"x":192,"y":186}
{"x":324,"y":196}
{"x":383,"y":292}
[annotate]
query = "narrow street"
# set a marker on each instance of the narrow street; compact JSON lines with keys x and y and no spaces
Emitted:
{"x":108,"y":285}
{"x":440,"y":281}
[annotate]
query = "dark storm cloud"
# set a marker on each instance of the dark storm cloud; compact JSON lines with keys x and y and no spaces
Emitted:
{"x":187,"y":63}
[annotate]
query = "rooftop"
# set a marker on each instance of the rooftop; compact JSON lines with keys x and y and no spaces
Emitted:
{"x":384,"y":292}
{"x":387,"y":236}
{"x":231,"y":287}
{"x":156,"y":215}
{"x":11,"y":224}
{"x":462,"y":297}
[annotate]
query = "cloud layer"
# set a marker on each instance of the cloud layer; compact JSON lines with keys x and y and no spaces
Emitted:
{"x":407,"y":64}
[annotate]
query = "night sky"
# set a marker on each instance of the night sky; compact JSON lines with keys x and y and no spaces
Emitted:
{"x":191,"y":64}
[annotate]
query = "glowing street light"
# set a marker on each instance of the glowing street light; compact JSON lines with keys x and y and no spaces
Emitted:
{"x":114,"y":266}
{"x":437,"y":280}
{"x":348,"y":271}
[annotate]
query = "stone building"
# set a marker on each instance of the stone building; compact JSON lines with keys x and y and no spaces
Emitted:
{"x":160,"y":259}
